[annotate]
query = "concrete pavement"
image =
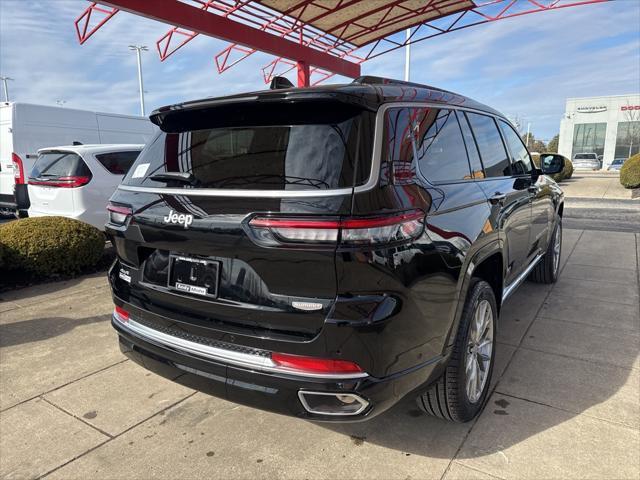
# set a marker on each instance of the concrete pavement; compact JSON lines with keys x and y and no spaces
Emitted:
{"x":601,"y":184}
{"x":566,"y":399}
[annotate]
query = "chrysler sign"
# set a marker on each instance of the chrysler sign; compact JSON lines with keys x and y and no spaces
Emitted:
{"x":592,"y":109}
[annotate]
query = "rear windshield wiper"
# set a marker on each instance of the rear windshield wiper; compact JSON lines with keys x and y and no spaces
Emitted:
{"x":181,"y":177}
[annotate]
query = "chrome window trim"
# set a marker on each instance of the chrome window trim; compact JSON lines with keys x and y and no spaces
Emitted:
{"x":246,"y":360}
{"x":374,"y":174}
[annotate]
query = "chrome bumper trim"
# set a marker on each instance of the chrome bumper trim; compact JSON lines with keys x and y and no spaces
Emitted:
{"x":245,"y":360}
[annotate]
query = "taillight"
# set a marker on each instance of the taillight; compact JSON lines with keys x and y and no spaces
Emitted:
{"x":118,"y":214}
{"x":313,"y":364}
{"x":71,"y":181}
{"x":121,"y":314}
{"x":331,"y":231}
{"x":18,"y":168}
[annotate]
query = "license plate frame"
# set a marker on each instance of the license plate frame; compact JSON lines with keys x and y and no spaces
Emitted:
{"x":198,"y":286}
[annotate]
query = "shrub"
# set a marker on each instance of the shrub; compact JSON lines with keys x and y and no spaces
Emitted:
{"x":630,"y":172}
{"x":47,"y":246}
{"x":568,"y":166}
{"x":1,"y":256}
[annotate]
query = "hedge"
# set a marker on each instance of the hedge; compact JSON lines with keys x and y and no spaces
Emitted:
{"x":48,"y":246}
{"x":630,"y":172}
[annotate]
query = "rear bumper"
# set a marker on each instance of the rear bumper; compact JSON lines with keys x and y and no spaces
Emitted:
{"x":273,"y":391}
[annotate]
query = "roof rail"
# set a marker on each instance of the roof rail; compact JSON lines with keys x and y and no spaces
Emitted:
{"x":372,"y":80}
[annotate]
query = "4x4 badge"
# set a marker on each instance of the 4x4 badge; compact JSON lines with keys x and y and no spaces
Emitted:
{"x":180,"y":219}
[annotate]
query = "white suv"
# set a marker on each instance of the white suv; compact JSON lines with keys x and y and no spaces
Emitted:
{"x":76,"y":181}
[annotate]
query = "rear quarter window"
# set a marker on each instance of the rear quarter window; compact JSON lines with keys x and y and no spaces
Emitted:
{"x":118,"y":163}
{"x":441,"y":152}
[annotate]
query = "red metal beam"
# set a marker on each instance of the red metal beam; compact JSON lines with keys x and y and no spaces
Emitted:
{"x":85,"y":32}
{"x":197,"y":20}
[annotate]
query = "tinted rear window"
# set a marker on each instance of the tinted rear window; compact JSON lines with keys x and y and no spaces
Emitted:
{"x":59,"y":164}
{"x":585,"y":156}
{"x":494,"y":156}
{"x":118,"y":163}
{"x":252,"y":154}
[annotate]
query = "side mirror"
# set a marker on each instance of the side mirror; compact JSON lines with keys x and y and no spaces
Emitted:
{"x":550,"y":164}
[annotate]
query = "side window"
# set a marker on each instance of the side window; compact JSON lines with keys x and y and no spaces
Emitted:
{"x":472,"y":149}
{"x":440,"y":152}
{"x":492,"y":151}
{"x":118,"y":163}
{"x":520,"y":158}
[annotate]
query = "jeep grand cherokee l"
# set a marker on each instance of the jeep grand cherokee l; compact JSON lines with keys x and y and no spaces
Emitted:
{"x":324,"y":252}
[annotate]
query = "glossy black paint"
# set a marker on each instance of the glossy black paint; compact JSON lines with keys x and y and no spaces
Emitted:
{"x":393,"y":309}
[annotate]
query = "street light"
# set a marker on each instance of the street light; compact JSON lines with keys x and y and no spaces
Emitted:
{"x":6,"y":90}
{"x":407,"y":56}
{"x":138,"y":49}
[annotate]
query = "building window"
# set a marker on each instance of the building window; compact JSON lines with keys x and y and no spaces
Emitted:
{"x":589,"y":138}
{"x":628,"y":139}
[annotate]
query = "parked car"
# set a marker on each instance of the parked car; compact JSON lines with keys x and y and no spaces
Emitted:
{"x":76,"y":181}
{"x":324,"y":252}
{"x":26,"y":128}
{"x":586,"y":161}
{"x":617,"y":163}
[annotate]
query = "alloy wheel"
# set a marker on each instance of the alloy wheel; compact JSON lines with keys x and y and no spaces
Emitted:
{"x":479,"y":350}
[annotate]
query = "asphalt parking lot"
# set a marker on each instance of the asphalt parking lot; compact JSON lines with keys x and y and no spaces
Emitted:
{"x":566,"y":399}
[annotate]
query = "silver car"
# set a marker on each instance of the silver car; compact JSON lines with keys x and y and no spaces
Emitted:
{"x":586,"y":161}
{"x":617,"y":163}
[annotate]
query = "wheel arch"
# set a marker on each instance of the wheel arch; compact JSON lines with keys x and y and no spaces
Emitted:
{"x":487,"y":264}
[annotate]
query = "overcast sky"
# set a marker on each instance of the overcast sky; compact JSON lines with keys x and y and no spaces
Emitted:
{"x":525,"y":66}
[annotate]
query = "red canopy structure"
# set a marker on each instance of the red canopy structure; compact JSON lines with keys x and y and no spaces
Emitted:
{"x":318,"y":37}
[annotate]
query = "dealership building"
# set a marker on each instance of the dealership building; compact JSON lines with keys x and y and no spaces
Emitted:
{"x":608,"y":126}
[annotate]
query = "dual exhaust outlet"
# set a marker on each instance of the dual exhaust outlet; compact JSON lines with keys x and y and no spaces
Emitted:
{"x":336,"y":404}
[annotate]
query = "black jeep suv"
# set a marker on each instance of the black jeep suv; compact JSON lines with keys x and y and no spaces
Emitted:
{"x":324,"y":252}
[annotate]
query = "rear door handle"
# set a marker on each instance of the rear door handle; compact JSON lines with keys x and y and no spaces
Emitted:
{"x":498,"y":197}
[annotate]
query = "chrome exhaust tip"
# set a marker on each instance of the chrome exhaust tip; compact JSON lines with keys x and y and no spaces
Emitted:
{"x":336,"y":404}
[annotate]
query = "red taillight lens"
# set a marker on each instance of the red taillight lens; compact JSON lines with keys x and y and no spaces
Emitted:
{"x":118,"y":214}
{"x":72,"y":181}
{"x":372,"y":230}
{"x":121,"y":314}
{"x":18,"y":168}
{"x":314,"y":365}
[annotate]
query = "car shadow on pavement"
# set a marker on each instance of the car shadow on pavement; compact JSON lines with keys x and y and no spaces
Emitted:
{"x":517,"y":407}
{"x":407,"y":429}
{"x":44,"y":328}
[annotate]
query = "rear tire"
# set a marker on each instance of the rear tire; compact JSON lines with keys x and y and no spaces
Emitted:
{"x":546,"y":271}
{"x":458,"y":395}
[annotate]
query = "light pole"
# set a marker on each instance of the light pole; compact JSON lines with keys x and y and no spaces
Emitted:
{"x":6,"y":90}
{"x":138,"y":49}
{"x":407,"y":56}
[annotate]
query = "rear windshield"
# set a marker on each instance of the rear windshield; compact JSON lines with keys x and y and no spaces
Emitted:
{"x":59,"y":164}
{"x":585,"y":156}
{"x":118,"y":163}
{"x":330,"y":153}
